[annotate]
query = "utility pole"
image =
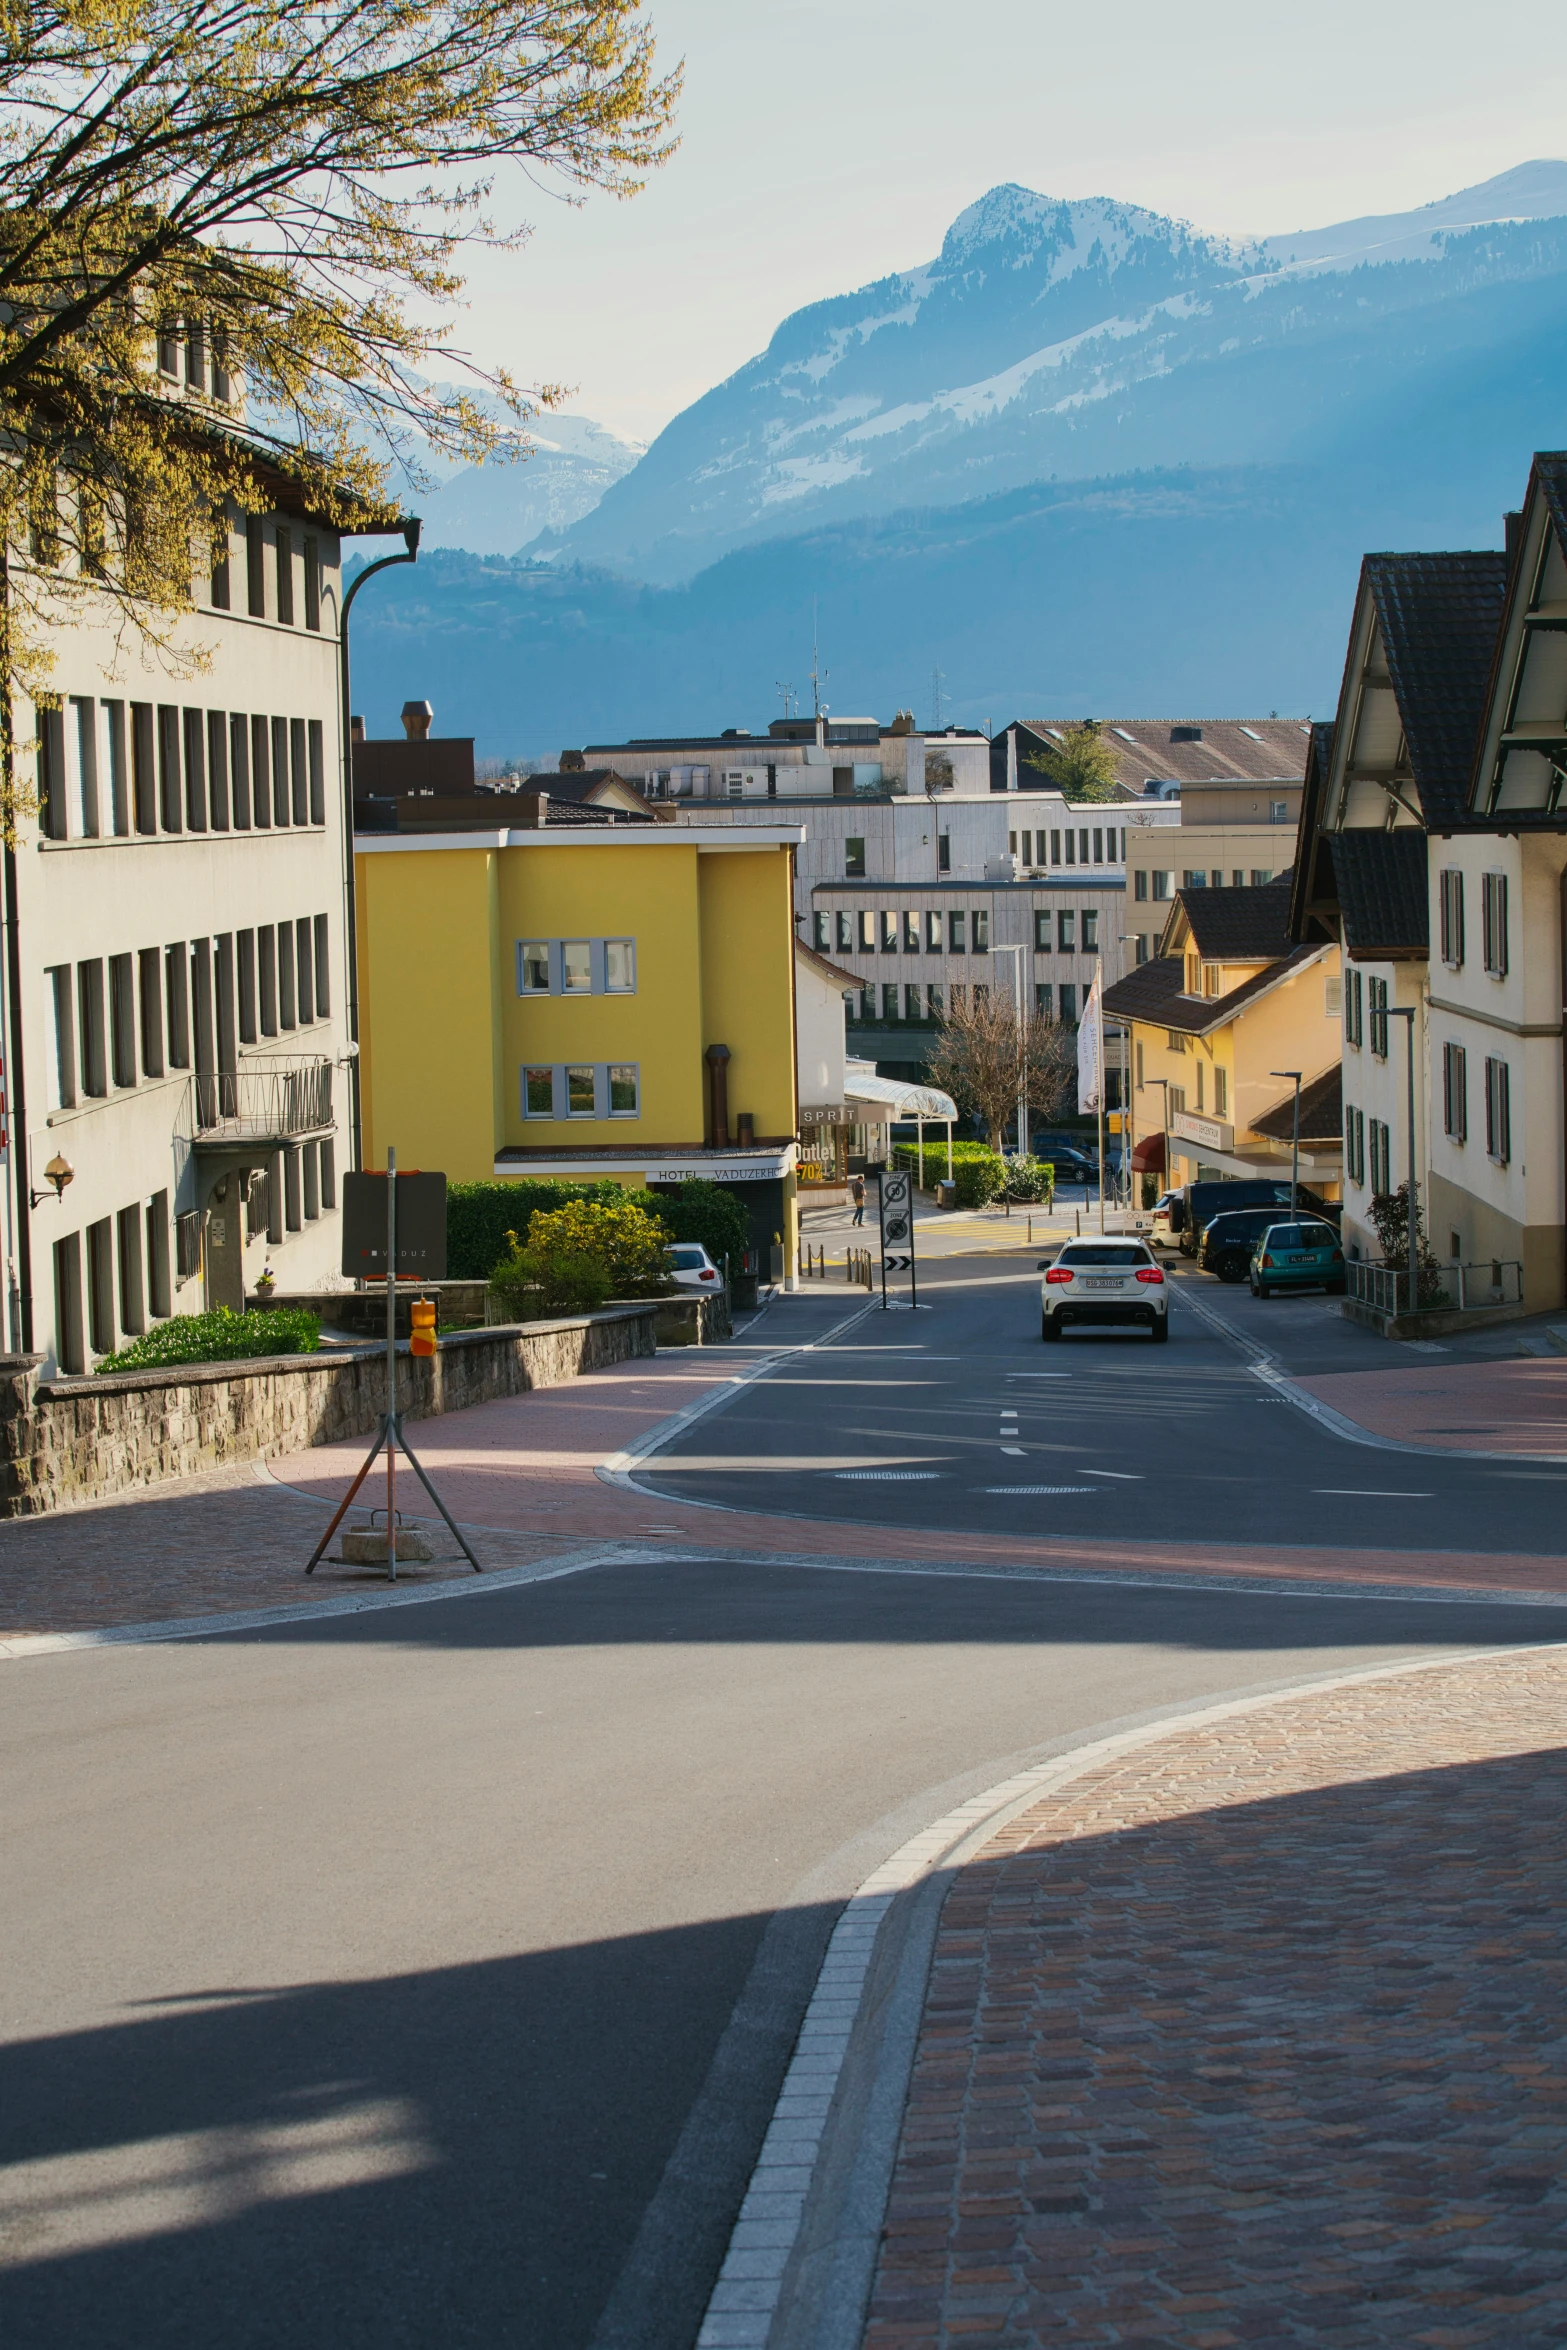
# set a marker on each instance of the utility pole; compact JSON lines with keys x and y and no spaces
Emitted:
{"x":1295,"y":1145}
{"x":819,"y":675}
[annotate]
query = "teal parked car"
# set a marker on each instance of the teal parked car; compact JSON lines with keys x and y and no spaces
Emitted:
{"x":1297,"y":1256}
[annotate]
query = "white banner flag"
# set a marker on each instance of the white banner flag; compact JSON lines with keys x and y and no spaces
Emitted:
{"x":1090,"y":1047}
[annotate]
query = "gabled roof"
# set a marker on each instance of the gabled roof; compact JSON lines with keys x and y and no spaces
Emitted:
{"x":1439,"y":615}
{"x":1380,"y":879}
{"x":1154,"y":992}
{"x":1321,"y":1111}
{"x":1310,"y":848}
{"x":1238,"y":925}
{"x":1180,"y":750}
{"x":1519,"y":777}
{"x":834,"y":972}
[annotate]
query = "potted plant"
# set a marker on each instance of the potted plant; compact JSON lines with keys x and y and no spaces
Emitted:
{"x":266,"y":1284}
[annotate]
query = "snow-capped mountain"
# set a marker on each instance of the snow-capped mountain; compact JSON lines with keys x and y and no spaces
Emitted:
{"x":1066,"y":340}
{"x":495,"y":509}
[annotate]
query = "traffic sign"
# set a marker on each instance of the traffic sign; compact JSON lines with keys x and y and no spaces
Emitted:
{"x":895,"y":1211}
{"x":897,"y":1264}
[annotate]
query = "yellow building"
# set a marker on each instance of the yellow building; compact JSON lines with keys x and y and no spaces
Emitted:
{"x":584,"y":1002}
{"x":1228,"y":1005}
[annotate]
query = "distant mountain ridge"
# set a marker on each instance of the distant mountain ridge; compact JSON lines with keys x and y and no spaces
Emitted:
{"x":1062,"y":340}
{"x":496,"y":509}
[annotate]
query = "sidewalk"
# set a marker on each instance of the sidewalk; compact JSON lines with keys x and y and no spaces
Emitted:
{"x":1511,"y":1407}
{"x":1254,"y":2035}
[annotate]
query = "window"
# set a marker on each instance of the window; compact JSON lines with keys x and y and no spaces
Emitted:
{"x":1071,"y":847}
{"x":955,"y":929}
{"x":538,"y":1093}
{"x":911,"y":934}
{"x":1041,"y":930}
{"x":195,"y":771}
{"x":1354,"y":1009}
{"x":1380,"y":1155}
{"x":260,"y":774}
{"x":1066,"y":930}
{"x":1140,"y":943}
{"x":1137,"y":1059}
{"x":255,"y":567}
{"x":69,"y":1344}
{"x":981,"y":931}
{"x":279,"y":729}
{"x":285,"y":975}
{"x":119,"y":778}
{"x":1090,"y":930}
{"x":1213,"y":980}
{"x":913,"y":1000}
{"x":1028,"y":848}
{"x":1099,"y":844}
{"x":820,"y":935}
{"x":576,"y":967}
{"x":1355,"y":1144}
{"x":1278,"y":811}
{"x":1493,"y":923}
{"x":1455,"y":1091}
{"x":323,"y":967}
{"x":867,"y":1010}
{"x":889,"y":934}
{"x":1195,"y":880}
{"x":889,"y":999}
{"x":933,"y":996}
{"x":218,"y":770}
{"x":293,"y":1202}
{"x":316,"y":762}
{"x":328,"y":1175}
{"x":844,"y":927}
{"x":285,"y":576}
{"x":1237,"y":878}
{"x":313,"y":583}
{"x":1055,"y":848}
{"x":579,"y":1091}
{"x":854,"y":860}
{"x":312,"y":1175}
{"x":1175,"y":1100}
{"x":85,"y":714}
{"x":1163,"y":886}
{"x":169,"y":813}
{"x":932,"y":932}
{"x":867,"y":933}
{"x":622,"y":1089}
{"x":90,"y":1029}
{"x":122,"y":1020}
{"x":1376,"y":996}
{"x":100,"y":1286}
{"x":299,"y":772}
{"x":169,"y":351}
{"x":305,"y":968}
{"x":1044,"y":999}
{"x":943,"y":852}
{"x":1498,"y":1111}
{"x":1174,"y":1041}
{"x":1261,"y":875}
{"x":1068,"y":996}
{"x":1140,"y":886}
{"x":533,"y":967}
{"x":151,"y":990}
{"x":62,"y":1060}
{"x":239,"y":773}
{"x":1450,"y":899}
{"x":1082,"y":846}
{"x":266,"y":961}
{"x":127,"y":1237}
{"x":1333,"y":998}
{"x":1221,"y":1093}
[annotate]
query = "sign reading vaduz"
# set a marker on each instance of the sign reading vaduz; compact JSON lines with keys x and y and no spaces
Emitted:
{"x":421,"y":1227}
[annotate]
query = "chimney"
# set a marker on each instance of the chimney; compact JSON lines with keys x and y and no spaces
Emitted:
{"x":1512,"y":530}
{"x":356,"y":730}
{"x":418,"y":718}
{"x":572,"y":763}
{"x":533,"y":812}
{"x":718,"y":1065}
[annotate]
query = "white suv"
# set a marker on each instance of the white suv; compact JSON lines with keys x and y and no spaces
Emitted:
{"x":1104,"y":1281}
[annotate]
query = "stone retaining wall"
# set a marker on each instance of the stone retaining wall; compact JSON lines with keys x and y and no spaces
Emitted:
{"x":68,"y":1441}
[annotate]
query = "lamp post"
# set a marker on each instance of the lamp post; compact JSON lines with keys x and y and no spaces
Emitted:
{"x":1022,"y":1046}
{"x":1407,"y":1012}
{"x":1295,"y":1142}
{"x":1163,"y":1084}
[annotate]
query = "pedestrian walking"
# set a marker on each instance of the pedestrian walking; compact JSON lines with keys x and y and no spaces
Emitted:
{"x":857,"y":1194}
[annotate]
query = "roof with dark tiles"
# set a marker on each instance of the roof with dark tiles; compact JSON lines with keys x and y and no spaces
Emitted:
{"x":1304,"y":885}
{"x":1155,"y":992}
{"x":1321,"y":1111}
{"x":1382,"y":897}
{"x":1440,"y":616}
{"x":1239,"y":925}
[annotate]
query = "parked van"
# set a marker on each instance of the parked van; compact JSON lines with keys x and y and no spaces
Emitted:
{"x":1197,"y":1202}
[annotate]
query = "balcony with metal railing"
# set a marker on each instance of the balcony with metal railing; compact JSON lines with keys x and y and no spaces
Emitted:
{"x":264,"y":1100}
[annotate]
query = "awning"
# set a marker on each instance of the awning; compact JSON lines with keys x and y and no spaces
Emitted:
{"x":904,"y":1101}
{"x":1148,"y":1155}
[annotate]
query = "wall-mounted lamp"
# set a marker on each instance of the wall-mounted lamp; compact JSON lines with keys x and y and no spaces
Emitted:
{"x":59,"y":1173}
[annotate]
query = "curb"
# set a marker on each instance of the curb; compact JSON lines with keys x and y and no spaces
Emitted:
{"x":802,"y":2255}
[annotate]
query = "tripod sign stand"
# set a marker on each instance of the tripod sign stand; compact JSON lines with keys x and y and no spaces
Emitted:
{"x":421,"y":1252}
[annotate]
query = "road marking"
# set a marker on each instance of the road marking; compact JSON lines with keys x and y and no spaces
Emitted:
{"x":1035,"y":1489}
{"x":1121,"y":1476}
{"x":1014,"y":1450}
{"x":1371,"y":1493}
{"x":885,"y":1476}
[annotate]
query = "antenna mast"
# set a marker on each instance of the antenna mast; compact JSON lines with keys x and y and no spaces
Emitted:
{"x":935,"y":701}
{"x":819,"y":675}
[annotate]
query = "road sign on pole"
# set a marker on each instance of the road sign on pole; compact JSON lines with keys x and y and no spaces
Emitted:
{"x":895,"y":1207}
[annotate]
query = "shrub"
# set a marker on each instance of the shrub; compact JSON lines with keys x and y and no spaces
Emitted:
{"x":979,"y":1180}
{"x":480,"y":1216}
{"x":219,"y":1337}
{"x":574,"y":1257}
{"x":1030,"y":1180}
{"x":1390,"y":1215}
{"x":701,"y":1211}
{"x":934,"y":1168}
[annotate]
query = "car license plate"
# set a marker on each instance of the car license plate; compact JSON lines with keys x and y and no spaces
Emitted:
{"x":1114,"y":1282}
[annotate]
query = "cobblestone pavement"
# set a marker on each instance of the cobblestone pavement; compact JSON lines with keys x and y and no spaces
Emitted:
{"x":1255,"y":2036}
{"x":519,"y":1477}
{"x":1514,"y":1407}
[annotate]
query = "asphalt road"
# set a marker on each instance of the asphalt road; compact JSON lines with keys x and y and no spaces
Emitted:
{"x":359,"y":1977}
{"x":957,"y":1417}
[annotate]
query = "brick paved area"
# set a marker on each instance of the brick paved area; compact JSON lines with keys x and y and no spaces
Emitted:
{"x":1517,"y":1407}
{"x":1256,"y":2036}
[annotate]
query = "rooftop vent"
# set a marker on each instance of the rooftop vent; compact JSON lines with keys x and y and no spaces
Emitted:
{"x":1186,"y":734}
{"x":418,"y":718}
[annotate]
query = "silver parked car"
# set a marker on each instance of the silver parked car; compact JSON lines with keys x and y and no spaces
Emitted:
{"x":690,"y":1265}
{"x":1104,"y":1281}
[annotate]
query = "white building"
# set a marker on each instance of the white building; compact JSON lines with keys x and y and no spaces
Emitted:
{"x":179,"y":980}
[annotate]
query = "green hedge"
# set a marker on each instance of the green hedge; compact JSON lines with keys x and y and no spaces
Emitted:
{"x":479,"y":1216}
{"x":219,"y":1337}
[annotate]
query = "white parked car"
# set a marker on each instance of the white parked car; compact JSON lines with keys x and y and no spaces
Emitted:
{"x":692,"y":1267}
{"x":1104,"y":1281}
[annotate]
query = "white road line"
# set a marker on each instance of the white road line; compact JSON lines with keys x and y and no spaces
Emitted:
{"x":1121,"y":1476}
{"x":1371,"y":1492}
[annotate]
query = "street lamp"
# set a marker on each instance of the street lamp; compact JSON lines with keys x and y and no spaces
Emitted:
{"x":1022,"y":1045}
{"x":1295,"y":1144}
{"x":1407,"y":1012}
{"x":1163,"y":1084}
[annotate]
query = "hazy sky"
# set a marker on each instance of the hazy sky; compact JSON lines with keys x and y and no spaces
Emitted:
{"x":826,"y":142}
